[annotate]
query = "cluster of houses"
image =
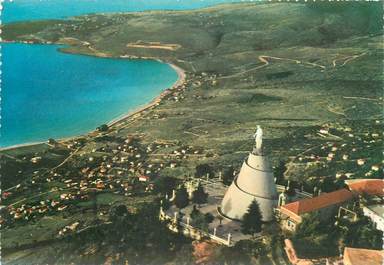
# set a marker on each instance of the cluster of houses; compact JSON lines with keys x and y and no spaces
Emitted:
{"x":29,"y":211}
{"x":348,"y":150}
{"x":347,"y":154}
{"x":125,"y":170}
{"x":203,"y":78}
{"x":177,"y":93}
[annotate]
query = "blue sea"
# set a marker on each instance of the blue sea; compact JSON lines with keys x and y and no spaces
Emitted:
{"x":49,"y":94}
{"x":19,"y":10}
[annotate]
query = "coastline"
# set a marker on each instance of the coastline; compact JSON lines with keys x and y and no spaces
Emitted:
{"x":16,"y":146}
{"x":181,"y":79}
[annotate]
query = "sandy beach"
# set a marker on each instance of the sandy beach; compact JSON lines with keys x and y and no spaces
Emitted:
{"x":181,"y":74}
{"x":181,"y":78}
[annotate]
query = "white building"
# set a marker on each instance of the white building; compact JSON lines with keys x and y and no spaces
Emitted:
{"x":376,"y":214}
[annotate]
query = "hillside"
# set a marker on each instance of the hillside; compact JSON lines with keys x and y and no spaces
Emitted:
{"x":308,"y":57}
{"x":293,"y":68}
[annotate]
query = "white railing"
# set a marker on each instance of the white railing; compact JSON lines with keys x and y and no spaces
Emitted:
{"x":194,"y":232}
{"x":281,"y":188}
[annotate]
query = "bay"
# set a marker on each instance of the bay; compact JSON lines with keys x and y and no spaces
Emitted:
{"x":49,"y":94}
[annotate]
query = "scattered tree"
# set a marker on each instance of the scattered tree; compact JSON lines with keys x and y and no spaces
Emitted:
{"x":291,"y":190}
{"x":203,"y":170}
{"x":278,"y":173}
{"x":181,"y":200}
{"x":228,"y":175}
{"x":311,"y":226}
{"x":52,"y":141}
{"x":201,"y":220}
{"x":194,"y":212}
{"x":209,"y":217}
{"x":328,"y":185}
{"x":365,"y":199}
{"x":252,"y":219}
{"x":102,"y":128}
{"x":361,"y":234}
{"x":120,"y":218}
{"x":165,"y":185}
{"x":117,"y":212}
{"x":166,"y":204}
{"x":317,"y":236}
{"x":199,"y":196}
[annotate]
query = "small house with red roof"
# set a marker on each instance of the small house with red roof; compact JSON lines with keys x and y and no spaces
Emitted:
{"x":291,"y":214}
{"x":143,"y":178}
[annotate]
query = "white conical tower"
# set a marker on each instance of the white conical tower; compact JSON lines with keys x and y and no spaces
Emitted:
{"x":255,"y":181}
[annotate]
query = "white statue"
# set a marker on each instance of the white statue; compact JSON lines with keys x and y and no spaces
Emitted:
{"x":258,"y":138}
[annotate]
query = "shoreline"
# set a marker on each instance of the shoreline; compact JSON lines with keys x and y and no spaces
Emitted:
{"x":154,"y":102}
{"x":181,"y":79}
{"x":16,"y":146}
{"x":144,"y":10}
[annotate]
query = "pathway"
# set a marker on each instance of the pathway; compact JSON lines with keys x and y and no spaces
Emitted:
{"x":266,"y":62}
{"x":263,"y":59}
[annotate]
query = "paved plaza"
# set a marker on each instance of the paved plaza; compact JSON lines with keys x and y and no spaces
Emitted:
{"x":215,"y":190}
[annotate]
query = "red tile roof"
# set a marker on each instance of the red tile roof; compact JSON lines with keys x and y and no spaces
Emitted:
{"x":360,"y":256}
{"x":144,"y":178}
{"x":368,"y":186}
{"x":322,"y":201}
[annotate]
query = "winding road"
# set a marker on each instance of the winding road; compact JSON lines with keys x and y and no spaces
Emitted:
{"x":266,"y":62}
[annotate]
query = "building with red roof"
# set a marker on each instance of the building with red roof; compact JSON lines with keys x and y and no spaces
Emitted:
{"x":372,"y":187}
{"x":291,"y":213}
{"x":360,"y":256}
{"x":143,"y":178}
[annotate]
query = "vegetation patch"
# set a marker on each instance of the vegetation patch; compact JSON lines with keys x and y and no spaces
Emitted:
{"x":248,"y":98}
